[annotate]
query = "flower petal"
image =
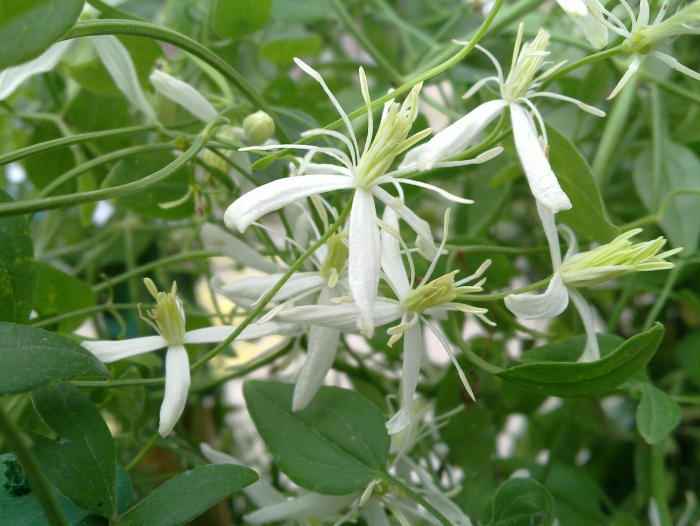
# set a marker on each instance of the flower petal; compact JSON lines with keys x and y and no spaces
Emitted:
{"x":219,"y":333}
{"x":111,"y":351}
{"x":255,"y":286}
{"x":120,"y":67}
{"x":392,"y":264}
{"x":456,"y":137}
{"x":273,"y":196}
{"x":177,"y":384}
{"x":591,"y":352}
{"x":343,"y":317}
{"x":323,"y":344}
{"x":304,"y":506}
{"x":12,"y":77}
{"x":543,"y":182}
{"x":550,"y":231}
{"x":540,"y":306}
{"x":593,"y":29}
{"x":184,"y":95}
{"x":374,"y":514}
{"x":412,"y":355}
{"x":237,"y":250}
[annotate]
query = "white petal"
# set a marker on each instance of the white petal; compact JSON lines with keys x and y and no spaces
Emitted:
{"x":253,"y":287}
{"x":323,"y":343}
{"x":304,"y":506}
{"x":262,"y":493}
{"x":120,"y":67}
{"x":276,"y":194}
{"x":364,"y":257}
{"x":374,"y":514}
{"x":456,"y":137}
{"x":219,"y":333}
{"x":177,"y":384}
{"x":573,"y":7}
{"x":412,"y":354}
{"x":343,"y":317}
{"x":411,"y":157}
{"x":543,"y":182}
{"x":237,"y":250}
{"x":392,"y":264}
{"x":591,"y":352}
{"x":111,"y":351}
{"x":631,"y":70}
{"x":185,"y":95}
{"x":550,"y":231}
{"x":12,"y":77}
{"x":593,"y":29}
{"x":571,"y":240}
{"x":540,"y":306}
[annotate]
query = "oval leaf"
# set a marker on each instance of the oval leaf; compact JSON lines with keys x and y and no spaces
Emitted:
{"x":82,"y":464}
{"x":657,"y":414}
{"x":29,"y":27}
{"x":61,"y":293}
{"x":17,"y":277}
{"x":522,"y":502}
{"x":31,"y":358}
{"x":588,"y":215}
{"x":335,"y":446}
{"x":188,"y":495}
{"x":570,"y":380}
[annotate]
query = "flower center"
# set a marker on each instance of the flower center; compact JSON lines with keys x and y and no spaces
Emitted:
{"x":336,"y":257}
{"x":433,"y":294}
{"x":525,"y":66}
{"x":168,"y":318}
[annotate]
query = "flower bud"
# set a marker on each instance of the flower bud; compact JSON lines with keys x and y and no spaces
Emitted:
{"x":258,"y":127}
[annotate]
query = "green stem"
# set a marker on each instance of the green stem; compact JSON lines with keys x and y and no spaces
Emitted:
{"x":492,"y":249}
{"x":271,"y":293}
{"x":148,"y":30}
{"x":63,"y":201}
{"x":47,"y":146}
{"x":671,"y":88}
{"x":468,"y":298}
{"x":151,"y":442}
{"x":416,"y":497}
{"x":590,"y":59}
{"x":663,"y":297}
{"x":40,"y":486}
{"x":455,"y":336}
{"x":658,"y":486}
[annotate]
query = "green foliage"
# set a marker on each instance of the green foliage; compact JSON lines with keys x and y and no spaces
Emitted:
{"x":235,"y":18}
{"x":283,"y":51}
{"x":657,"y":414}
{"x":60,"y":293}
{"x":522,"y":502}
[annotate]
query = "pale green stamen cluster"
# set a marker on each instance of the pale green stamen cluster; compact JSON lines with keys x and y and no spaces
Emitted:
{"x":168,"y":318}
{"x":643,"y":37}
{"x":391,"y":139}
{"x":526,"y":62}
{"x":618,"y":258}
{"x":335,"y":259}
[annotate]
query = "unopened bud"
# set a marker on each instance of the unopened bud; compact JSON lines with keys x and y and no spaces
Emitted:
{"x":258,"y":127}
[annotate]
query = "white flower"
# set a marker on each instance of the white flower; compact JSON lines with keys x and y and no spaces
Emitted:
{"x":184,"y":95}
{"x":593,"y":29}
{"x":168,"y":319}
{"x":428,"y":298}
{"x":364,"y":171}
{"x":641,"y":38}
{"x":618,"y":258}
{"x":516,"y":91}
{"x":113,"y":55}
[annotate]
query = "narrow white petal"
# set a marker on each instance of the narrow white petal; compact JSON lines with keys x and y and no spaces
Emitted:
{"x":120,"y":67}
{"x":392,"y":264}
{"x":410,"y":159}
{"x":343,"y":317}
{"x":543,"y":182}
{"x":111,"y":351}
{"x":456,"y":137}
{"x":540,"y":306}
{"x":573,"y":7}
{"x":323,"y":344}
{"x":591,"y":352}
{"x":184,"y":95}
{"x":274,"y":195}
{"x":631,"y":70}
{"x":262,"y":493}
{"x":237,"y":250}
{"x":253,"y":287}
{"x":374,"y":514}
{"x":448,"y":349}
{"x":177,"y":385}
{"x":412,"y":354}
{"x":12,"y":77}
{"x":219,"y":333}
{"x":304,"y":506}
{"x":593,"y":29}
{"x":364,"y":257}
{"x":571,"y":240}
{"x":550,"y":231}
{"x":674,"y":64}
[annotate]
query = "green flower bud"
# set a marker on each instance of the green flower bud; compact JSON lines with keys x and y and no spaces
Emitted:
{"x":258,"y":127}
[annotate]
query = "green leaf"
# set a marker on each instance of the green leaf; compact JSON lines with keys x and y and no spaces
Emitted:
{"x":588,"y":215}
{"x":60,"y":293}
{"x":571,"y":380}
{"x":679,"y":170}
{"x":17,"y":276}
{"x":82,"y":463}
{"x":42,"y":169}
{"x":188,"y":495}
{"x":235,"y":18}
{"x":282,"y":52}
{"x":570,"y":349}
{"x":657,"y":414}
{"x":31,"y":358}
{"x":522,"y":502}
{"x":301,"y":11}
{"x":29,"y":27}
{"x":336,"y":445}
{"x":147,"y":202}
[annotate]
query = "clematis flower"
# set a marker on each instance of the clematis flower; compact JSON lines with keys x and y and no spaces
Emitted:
{"x":168,"y":320}
{"x":364,"y":171}
{"x":415,"y":302}
{"x":642,"y":37}
{"x":593,"y":29}
{"x":517,"y":91}
{"x":616,"y":259}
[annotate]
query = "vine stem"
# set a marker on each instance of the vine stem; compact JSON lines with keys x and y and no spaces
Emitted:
{"x":151,"y":442}
{"x":417,"y":497}
{"x":658,"y":486}
{"x":590,"y":59}
{"x":40,"y":486}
